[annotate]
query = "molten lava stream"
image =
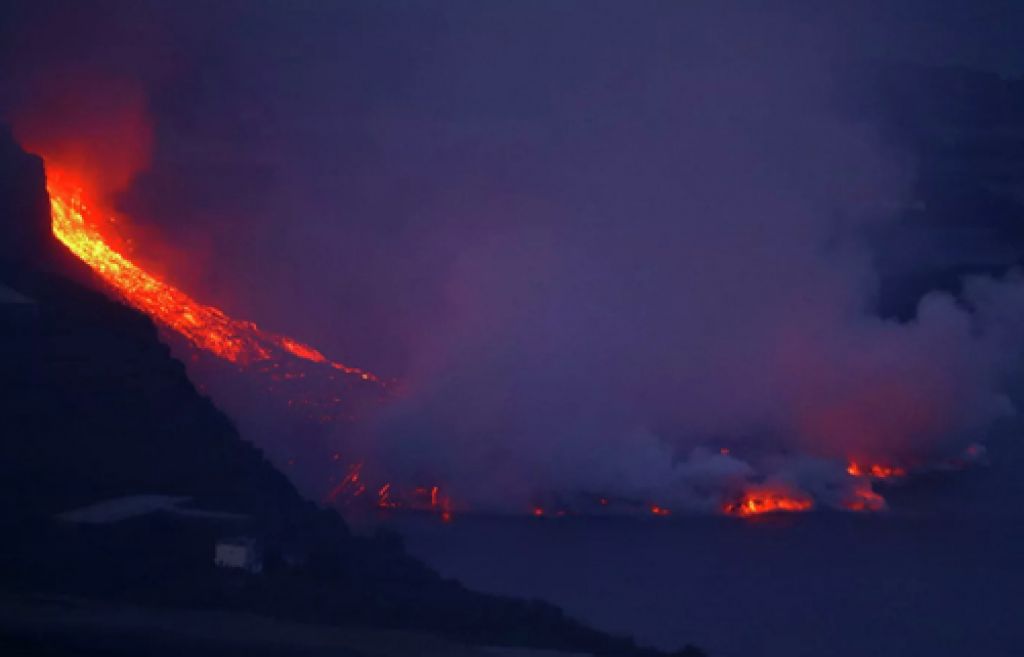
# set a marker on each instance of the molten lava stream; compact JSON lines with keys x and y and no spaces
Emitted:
{"x":210,"y":329}
{"x":206,"y":327}
{"x":755,"y":502}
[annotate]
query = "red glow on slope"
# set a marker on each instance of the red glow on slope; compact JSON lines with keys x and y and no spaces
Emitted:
{"x":384,"y":500}
{"x":206,"y":327}
{"x":77,"y":224}
{"x":349,"y":493}
{"x":419,"y":498}
{"x":349,"y":486}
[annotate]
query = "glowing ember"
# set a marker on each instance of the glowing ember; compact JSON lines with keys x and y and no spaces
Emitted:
{"x":854,"y":469}
{"x":384,"y":500}
{"x":349,"y":493}
{"x":660,"y":510}
{"x":349,"y":487}
{"x":865,"y":499}
{"x":206,"y":327}
{"x":755,"y":502}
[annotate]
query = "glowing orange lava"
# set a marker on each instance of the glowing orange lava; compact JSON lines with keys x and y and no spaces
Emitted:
{"x":384,"y":500}
{"x":349,"y":487}
{"x":206,"y":327}
{"x":875,"y":471}
{"x":756,"y":501}
{"x":420,"y":498}
{"x":212,"y":330}
{"x":244,"y":343}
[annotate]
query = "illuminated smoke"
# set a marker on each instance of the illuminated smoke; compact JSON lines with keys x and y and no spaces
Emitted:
{"x":593,"y":277}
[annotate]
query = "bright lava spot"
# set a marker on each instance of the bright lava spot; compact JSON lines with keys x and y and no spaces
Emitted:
{"x":755,"y":502}
{"x":875,"y":471}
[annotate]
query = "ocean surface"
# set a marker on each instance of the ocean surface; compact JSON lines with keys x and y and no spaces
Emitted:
{"x":944,"y":583}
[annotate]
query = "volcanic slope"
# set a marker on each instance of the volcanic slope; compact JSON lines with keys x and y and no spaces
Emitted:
{"x":95,"y":407}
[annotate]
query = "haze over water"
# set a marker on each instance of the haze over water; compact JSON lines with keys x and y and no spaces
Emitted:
{"x":940,"y":575}
{"x":806,"y":586}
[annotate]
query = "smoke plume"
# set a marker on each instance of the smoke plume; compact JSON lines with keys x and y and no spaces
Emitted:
{"x":606,"y":250}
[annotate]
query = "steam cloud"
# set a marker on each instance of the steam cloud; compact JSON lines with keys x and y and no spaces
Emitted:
{"x":597,"y":248}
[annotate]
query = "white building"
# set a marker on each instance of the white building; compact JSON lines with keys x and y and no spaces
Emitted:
{"x":241,"y":552}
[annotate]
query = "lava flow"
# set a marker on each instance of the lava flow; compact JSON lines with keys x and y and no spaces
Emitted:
{"x":243,"y":343}
{"x":862,"y":498}
{"x":757,"y":501}
{"x":875,"y":471}
{"x":206,"y":327}
{"x":351,"y":491}
{"x":210,"y":329}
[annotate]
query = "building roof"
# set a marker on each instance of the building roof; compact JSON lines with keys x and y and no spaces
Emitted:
{"x":122,"y":508}
{"x":132,"y":506}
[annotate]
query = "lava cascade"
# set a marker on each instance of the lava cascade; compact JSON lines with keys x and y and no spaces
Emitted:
{"x":208,"y":328}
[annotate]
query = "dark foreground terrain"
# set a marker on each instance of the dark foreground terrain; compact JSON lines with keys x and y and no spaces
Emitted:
{"x":95,"y":408}
{"x":40,"y":626}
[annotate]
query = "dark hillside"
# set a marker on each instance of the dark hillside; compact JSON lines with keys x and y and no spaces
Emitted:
{"x":95,"y":407}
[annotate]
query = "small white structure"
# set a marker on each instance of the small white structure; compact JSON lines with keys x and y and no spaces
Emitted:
{"x":242,"y":552}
